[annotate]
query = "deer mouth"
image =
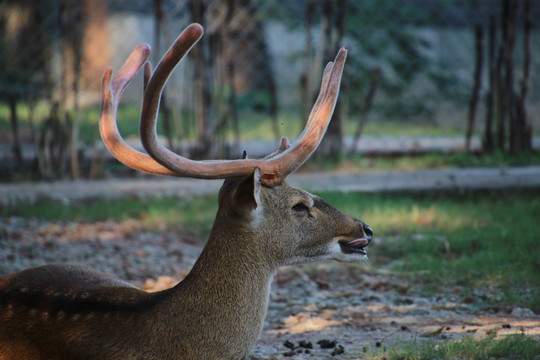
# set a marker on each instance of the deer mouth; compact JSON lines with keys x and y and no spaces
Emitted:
{"x":356,"y":246}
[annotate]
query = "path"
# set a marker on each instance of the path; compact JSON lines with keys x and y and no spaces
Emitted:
{"x":420,"y":180}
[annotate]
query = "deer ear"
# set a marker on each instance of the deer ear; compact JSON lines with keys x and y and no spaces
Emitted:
{"x":248,"y":193}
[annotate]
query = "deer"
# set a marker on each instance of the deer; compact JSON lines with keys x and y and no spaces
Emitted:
{"x":217,"y":311}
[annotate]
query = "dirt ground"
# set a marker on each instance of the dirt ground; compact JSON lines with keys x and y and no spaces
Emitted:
{"x":323,"y":311}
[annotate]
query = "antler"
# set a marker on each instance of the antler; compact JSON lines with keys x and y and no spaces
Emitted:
{"x":273,"y":168}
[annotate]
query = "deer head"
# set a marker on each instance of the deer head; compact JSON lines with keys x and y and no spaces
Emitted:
{"x":218,"y":310}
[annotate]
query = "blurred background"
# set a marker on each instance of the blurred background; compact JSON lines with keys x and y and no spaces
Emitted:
{"x":439,"y":69}
{"x":434,"y":143}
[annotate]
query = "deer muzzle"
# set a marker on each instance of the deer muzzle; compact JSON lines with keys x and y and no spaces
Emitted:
{"x":357,"y":245}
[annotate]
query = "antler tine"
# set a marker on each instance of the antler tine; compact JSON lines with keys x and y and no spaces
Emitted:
{"x":152,"y":96}
{"x":324,"y":85}
{"x":284,"y":144}
{"x":112,"y":89}
{"x":147,"y":74}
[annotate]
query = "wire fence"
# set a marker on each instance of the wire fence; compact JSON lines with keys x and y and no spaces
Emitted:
{"x":412,"y":61}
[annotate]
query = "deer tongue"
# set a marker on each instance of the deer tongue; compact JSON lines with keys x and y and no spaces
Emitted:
{"x":354,"y":246}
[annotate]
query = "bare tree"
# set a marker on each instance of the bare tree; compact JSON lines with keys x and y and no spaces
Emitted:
{"x":513,"y":129}
{"x":306,"y":78}
{"x":368,"y":102}
{"x":521,"y":131}
{"x":509,"y":15}
{"x":473,"y":103}
{"x":333,"y":30}
{"x":14,"y":121}
{"x":160,"y":20}
{"x":52,"y":144}
{"x":71,"y":24}
{"x":202,"y":73}
{"x":488,"y":141}
{"x":222,"y":41}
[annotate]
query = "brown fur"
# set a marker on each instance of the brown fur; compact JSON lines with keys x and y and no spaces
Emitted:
{"x":216,"y":312}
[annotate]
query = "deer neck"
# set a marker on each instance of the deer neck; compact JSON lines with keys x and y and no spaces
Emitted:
{"x":231,"y":264}
{"x":226,"y":293}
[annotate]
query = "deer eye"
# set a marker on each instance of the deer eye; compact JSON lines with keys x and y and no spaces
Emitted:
{"x":300,"y":207}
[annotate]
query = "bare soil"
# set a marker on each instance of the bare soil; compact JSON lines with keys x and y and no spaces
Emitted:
{"x":321,"y":311}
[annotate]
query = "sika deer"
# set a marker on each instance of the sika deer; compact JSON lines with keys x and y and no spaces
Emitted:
{"x":217,"y":311}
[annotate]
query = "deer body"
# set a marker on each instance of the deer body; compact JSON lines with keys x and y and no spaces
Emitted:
{"x":218,"y":310}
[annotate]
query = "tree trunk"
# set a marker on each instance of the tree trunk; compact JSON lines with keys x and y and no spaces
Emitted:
{"x":232,"y":108}
{"x":479,"y":41}
{"x":16,"y":145}
{"x":510,"y":95}
{"x":263,"y":62}
{"x":368,"y":102}
{"x":230,"y":74}
{"x":306,"y":78}
{"x":505,"y":73}
{"x":164,"y":108}
{"x":333,"y":25}
{"x":75,"y":124}
{"x":488,"y":141}
{"x":523,"y":127}
{"x":501,"y":110}
{"x":72,"y":26}
{"x":202,"y":73}
{"x":512,"y":114}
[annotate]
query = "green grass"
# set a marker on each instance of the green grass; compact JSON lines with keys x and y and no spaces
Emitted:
{"x":405,"y":128}
{"x":470,"y":241}
{"x":511,"y":347}
{"x":259,"y":126}
{"x":458,"y":159}
{"x":359,"y":163}
{"x":191,"y":216}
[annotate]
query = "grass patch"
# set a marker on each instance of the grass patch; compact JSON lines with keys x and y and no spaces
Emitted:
{"x":511,"y":347}
{"x":470,"y":240}
{"x":193,"y":216}
{"x":405,"y":128}
{"x":359,"y":163}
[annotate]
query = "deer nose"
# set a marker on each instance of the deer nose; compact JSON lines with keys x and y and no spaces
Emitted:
{"x":368,"y":232}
